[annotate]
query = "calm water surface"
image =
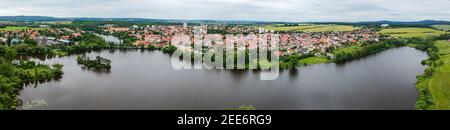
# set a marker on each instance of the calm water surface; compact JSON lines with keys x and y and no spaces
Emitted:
{"x":146,"y":80}
{"x":110,"y":39}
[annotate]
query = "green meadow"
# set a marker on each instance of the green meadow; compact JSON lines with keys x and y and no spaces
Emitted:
{"x":411,"y":32}
{"x":349,"y":49}
{"x":15,"y":28}
{"x":313,"y":60}
{"x":312,"y":28}
{"x":56,"y":22}
{"x":439,"y":83}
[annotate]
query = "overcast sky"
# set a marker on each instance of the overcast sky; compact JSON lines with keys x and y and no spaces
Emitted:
{"x":267,"y":10}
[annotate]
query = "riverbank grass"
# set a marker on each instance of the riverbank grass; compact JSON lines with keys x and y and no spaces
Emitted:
{"x":349,"y":49}
{"x":313,"y":60}
{"x":439,"y":83}
{"x":59,"y":52}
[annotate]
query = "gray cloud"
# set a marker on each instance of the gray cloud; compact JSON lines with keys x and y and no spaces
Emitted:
{"x":270,"y":10}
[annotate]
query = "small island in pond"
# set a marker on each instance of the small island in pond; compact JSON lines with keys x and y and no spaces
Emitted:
{"x":99,"y":63}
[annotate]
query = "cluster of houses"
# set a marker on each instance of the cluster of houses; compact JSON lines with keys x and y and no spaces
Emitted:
{"x":19,"y":36}
{"x":157,"y":35}
{"x":162,"y":35}
{"x":290,"y":43}
{"x":117,"y":29}
{"x":321,"y":41}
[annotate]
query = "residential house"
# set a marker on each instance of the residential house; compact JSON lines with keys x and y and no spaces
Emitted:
{"x":118,"y":29}
{"x":51,"y":41}
{"x":3,"y":39}
{"x":152,"y":38}
{"x":141,"y":42}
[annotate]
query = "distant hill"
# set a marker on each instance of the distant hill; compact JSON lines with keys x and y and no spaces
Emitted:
{"x":47,"y":18}
{"x":28,"y":18}
{"x":424,"y":22}
{"x":395,"y":23}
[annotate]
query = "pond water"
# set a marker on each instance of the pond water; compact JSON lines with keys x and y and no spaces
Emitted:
{"x":146,"y":80}
{"x":110,"y":39}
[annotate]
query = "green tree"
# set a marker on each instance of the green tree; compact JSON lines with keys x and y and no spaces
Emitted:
{"x":8,"y":41}
{"x":6,"y":69}
{"x":30,"y":42}
{"x":10,"y":54}
{"x":169,"y":49}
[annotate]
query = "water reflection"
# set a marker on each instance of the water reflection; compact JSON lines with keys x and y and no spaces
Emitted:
{"x":110,"y":39}
{"x":146,"y":80}
{"x":238,"y":74}
{"x":293,"y":73}
{"x":97,"y":71}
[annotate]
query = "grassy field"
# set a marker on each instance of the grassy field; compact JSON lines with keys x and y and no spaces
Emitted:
{"x":439,"y":84}
{"x":313,"y":60}
{"x":312,"y":28}
{"x":56,"y":22}
{"x":14,"y":28}
{"x":442,"y":27}
{"x":411,"y":32}
{"x":348,"y":49}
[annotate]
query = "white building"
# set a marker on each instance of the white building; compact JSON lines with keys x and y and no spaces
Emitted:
{"x":51,"y":41}
{"x":185,"y":25}
{"x":3,"y":39}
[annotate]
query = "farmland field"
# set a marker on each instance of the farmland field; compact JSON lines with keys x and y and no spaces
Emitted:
{"x":411,"y":32}
{"x":56,"y":22}
{"x":442,"y":27}
{"x":312,"y":28}
{"x":14,"y":28}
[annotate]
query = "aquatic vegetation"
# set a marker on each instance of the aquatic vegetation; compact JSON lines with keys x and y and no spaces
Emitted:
{"x":99,"y":63}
